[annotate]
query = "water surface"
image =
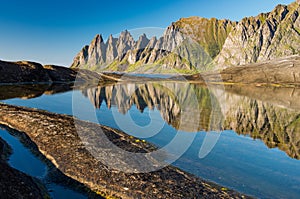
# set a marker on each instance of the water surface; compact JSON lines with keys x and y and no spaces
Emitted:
{"x":24,"y":159}
{"x":257,"y":153}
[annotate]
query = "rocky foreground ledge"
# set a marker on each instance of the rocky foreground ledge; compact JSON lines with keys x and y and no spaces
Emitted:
{"x":57,"y":139}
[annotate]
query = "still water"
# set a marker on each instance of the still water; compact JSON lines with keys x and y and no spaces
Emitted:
{"x":247,"y":139}
{"x":24,"y":160}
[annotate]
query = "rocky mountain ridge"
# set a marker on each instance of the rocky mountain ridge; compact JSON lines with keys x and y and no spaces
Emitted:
{"x":196,"y":44}
{"x":176,"y":49}
{"x":264,"y":37}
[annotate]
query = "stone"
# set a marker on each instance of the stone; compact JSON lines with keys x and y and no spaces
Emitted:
{"x":58,"y":140}
{"x":32,"y":72}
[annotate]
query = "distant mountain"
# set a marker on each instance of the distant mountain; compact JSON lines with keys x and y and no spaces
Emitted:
{"x":197,"y":44}
{"x":264,"y":37}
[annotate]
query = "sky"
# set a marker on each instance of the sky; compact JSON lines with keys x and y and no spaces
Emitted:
{"x":53,"y":32}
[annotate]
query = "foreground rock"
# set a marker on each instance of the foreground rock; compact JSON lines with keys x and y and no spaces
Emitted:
{"x":56,"y":137}
{"x":15,"y":184}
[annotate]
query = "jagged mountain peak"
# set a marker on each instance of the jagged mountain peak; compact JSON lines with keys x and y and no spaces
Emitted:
{"x":97,"y":39}
{"x":143,"y":36}
{"x":151,"y":43}
{"x":125,"y":34}
{"x":227,"y":43}
{"x":209,"y":33}
{"x":279,"y":8}
{"x":125,"y":43}
{"x":142,"y":42}
{"x":110,"y":38}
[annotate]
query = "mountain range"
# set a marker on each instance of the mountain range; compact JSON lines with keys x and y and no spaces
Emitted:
{"x":198,"y":44}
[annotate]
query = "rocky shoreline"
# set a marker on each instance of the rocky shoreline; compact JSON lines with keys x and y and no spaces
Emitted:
{"x":277,"y":72}
{"x":16,"y":184}
{"x":27,"y":72}
{"x":57,"y":139}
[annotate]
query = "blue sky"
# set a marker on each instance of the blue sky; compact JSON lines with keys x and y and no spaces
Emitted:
{"x":52,"y":32}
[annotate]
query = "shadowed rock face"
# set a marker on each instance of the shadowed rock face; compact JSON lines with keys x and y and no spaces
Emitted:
{"x":31,"y":72}
{"x":32,"y":90}
{"x":57,"y":138}
{"x":12,"y":72}
{"x":267,"y":113}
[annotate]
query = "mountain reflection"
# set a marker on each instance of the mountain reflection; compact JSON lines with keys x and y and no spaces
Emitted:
{"x":27,"y":91}
{"x":266,"y":113}
{"x":269,"y":114}
{"x":184,"y":106}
